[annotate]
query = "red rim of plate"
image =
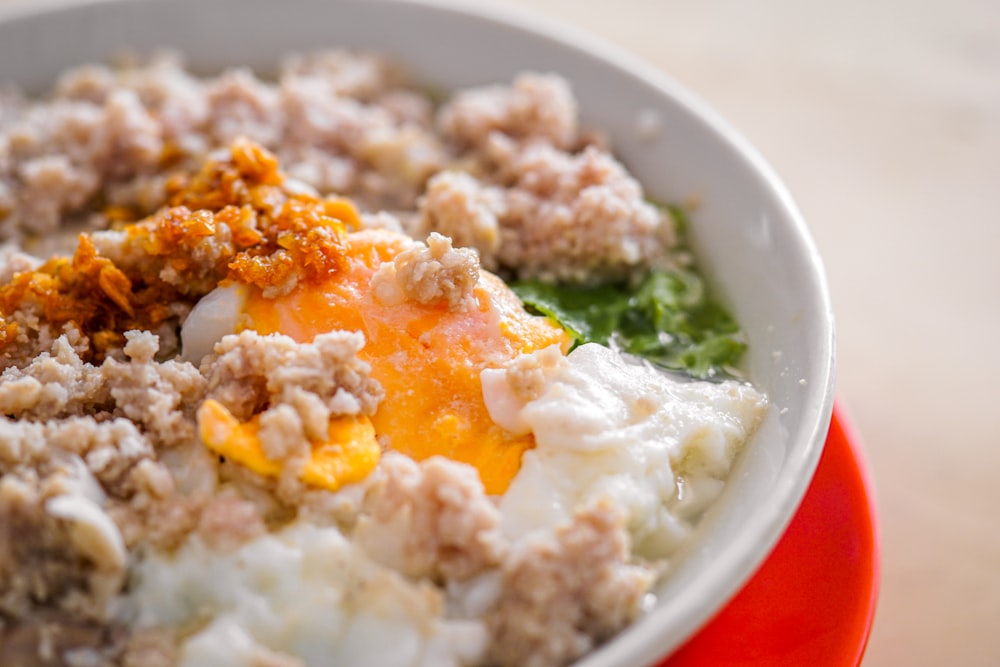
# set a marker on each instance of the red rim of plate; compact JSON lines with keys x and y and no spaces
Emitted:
{"x":813,"y":600}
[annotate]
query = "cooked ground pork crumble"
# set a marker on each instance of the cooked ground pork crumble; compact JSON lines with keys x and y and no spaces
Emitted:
{"x":170,"y":188}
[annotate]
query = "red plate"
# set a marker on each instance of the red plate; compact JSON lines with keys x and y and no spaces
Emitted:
{"x":813,"y":600}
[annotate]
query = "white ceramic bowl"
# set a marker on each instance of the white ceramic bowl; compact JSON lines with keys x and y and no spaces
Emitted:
{"x":748,"y":235}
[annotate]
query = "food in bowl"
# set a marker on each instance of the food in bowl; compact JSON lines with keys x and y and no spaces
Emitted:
{"x":333,"y":374}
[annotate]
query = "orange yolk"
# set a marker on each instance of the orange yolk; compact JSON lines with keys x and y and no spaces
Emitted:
{"x":427,"y":358}
{"x":349,"y":454}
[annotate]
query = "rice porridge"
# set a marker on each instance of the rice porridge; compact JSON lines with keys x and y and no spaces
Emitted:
{"x":324,"y":371}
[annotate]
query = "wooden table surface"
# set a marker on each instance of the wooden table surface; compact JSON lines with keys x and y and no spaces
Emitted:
{"x":884,"y":120}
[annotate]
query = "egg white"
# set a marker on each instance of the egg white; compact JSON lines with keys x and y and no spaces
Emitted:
{"x":605,"y":426}
{"x":216,"y":314}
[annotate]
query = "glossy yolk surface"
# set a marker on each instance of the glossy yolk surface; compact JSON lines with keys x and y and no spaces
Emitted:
{"x":427,"y":358}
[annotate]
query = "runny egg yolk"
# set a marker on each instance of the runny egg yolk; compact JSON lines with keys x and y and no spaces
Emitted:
{"x":349,"y":453}
{"x":427,"y":358}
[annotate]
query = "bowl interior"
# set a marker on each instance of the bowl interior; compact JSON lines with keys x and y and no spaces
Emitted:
{"x":748,"y":235}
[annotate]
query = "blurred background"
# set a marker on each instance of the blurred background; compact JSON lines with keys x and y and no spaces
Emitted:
{"x":884,"y":120}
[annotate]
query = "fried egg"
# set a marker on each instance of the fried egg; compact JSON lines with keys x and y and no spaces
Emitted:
{"x":427,"y":358}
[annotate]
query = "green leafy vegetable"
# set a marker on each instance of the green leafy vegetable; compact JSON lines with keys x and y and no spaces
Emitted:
{"x":679,"y":215}
{"x":669,"y":319}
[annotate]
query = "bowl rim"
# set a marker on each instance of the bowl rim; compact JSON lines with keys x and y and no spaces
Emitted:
{"x":642,"y":642}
